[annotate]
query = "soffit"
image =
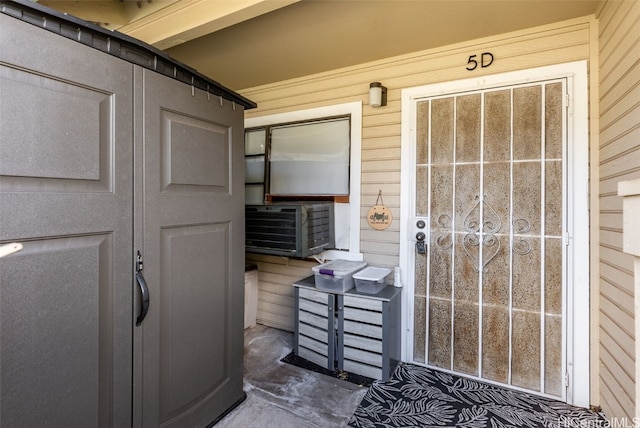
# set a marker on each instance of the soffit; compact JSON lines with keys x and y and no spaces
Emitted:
{"x":243,"y":44}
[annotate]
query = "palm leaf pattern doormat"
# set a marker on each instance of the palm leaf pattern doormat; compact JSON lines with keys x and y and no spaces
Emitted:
{"x":416,"y":396}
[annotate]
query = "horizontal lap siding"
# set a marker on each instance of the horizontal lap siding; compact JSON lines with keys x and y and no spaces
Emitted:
{"x":552,"y":44}
{"x":276,"y":301}
{"x":619,"y":154}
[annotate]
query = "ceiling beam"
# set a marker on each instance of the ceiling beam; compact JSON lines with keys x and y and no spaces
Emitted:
{"x":189,"y":19}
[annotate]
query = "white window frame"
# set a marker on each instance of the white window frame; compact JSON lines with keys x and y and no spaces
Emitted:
{"x":354,"y":109}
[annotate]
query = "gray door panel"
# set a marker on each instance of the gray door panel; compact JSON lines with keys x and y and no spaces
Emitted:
{"x":66,"y":194}
{"x":194,"y":256}
{"x":86,"y":180}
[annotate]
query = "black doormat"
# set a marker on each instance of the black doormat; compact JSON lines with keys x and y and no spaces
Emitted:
{"x":416,"y":396}
{"x":297,"y":361}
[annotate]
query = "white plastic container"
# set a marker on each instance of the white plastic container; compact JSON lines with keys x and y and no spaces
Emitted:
{"x":336,"y":275}
{"x":250,"y":297}
{"x":372,"y":280}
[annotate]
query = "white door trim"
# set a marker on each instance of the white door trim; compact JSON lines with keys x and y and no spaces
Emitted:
{"x":577,"y":160}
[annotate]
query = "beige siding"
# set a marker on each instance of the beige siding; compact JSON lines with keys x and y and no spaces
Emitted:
{"x":619,"y":116}
{"x":563,"y":42}
{"x":552,"y":44}
{"x":275,"y":293}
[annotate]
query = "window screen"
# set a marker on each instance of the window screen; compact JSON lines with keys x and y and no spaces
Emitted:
{"x":255,"y":143}
{"x":310,"y":158}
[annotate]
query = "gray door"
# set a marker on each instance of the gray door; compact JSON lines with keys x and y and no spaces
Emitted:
{"x":191,"y":342}
{"x":66,"y":194}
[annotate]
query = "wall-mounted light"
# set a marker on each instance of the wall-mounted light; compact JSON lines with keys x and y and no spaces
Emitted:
{"x":377,"y":94}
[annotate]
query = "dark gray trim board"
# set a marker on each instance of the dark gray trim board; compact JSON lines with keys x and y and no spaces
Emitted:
{"x":118,"y":45}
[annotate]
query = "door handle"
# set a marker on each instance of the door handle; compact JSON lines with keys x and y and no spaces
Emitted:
{"x":145,"y":297}
{"x":421,"y":247}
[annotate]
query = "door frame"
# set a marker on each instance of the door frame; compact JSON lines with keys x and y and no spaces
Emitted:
{"x":577,"y":201}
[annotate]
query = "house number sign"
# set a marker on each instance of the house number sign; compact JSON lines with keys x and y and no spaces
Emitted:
{"x":484,"y":60}
{"x":379,"y":216}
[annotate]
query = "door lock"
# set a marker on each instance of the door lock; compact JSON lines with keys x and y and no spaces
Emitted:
{"x":420,"y":244}
{"x":417,"y":232}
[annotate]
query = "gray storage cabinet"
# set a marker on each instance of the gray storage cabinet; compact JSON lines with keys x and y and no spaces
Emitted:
{"x":122,"y":183}
{"x":351,"y":331}
{"x":315,"y":326}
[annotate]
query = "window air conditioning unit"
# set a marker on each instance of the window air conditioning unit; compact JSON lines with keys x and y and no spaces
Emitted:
{"x":295,"y":230}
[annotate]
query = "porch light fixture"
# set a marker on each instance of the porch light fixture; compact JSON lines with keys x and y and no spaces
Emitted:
{"x":377,"y":94}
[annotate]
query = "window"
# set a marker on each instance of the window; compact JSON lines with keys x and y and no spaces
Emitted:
{"x":255,"y":155}
{"x":347,"y":209}
{"x":300,"y":159}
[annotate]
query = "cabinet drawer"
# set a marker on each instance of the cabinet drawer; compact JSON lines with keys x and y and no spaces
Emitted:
{"x":318,"y":359}
{"x":358,"y":302}
{"x":313,"y":319}
{"x":316,"y":296}
{"x":313,"y":307}
{"x":360,"y":342}
{"x":321,"y":335}
{"x":362,"y":369}
{"x":361,"y":356}
{"x":361,"y":315}
{"x":317,"y":347}
{"x":358,"y":328}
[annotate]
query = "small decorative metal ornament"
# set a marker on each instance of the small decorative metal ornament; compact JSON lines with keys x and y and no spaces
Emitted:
{"x":379,"y":216}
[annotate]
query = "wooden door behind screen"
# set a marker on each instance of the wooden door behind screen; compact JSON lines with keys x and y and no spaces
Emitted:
{"x":489,"y":292}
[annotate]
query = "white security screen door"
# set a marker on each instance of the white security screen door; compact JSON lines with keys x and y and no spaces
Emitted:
{"x":488,"y":295}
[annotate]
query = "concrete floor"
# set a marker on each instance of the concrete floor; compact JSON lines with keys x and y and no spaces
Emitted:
{"x":280,"y":395}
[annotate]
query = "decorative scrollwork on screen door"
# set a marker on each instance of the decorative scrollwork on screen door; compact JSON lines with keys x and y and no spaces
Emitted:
{"x":520,"y":244}
{"x":444,"y":240}
{"x":485,"y":234}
